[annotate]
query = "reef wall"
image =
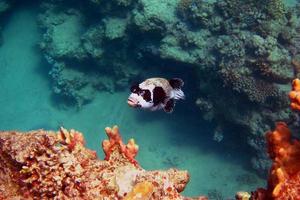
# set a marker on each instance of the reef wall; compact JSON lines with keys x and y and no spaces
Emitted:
{"x":56,"y":165}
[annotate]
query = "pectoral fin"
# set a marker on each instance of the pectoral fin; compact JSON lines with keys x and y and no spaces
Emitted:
{"x":169,"y":107}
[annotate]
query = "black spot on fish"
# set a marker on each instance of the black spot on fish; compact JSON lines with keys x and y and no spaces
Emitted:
{"x":176,"y":83}
{"x":146,"y":94}
{"x":159,"y":95}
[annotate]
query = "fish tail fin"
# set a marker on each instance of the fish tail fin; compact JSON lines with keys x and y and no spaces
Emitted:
{"x":178,"y":94}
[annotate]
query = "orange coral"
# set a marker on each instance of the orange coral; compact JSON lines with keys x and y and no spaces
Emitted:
{"x":284,"y":177}
{"x":115,"y":141}
{"x":285,"y":154}
{"x":295,"y":95}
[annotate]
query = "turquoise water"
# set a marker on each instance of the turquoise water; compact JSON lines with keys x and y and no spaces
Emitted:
{"x":179,"y":140}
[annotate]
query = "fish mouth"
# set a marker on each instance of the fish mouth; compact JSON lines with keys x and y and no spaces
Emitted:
{"x":132,"y":102}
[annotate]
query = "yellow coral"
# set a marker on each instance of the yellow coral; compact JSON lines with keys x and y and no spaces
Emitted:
{"x":141,"y":191}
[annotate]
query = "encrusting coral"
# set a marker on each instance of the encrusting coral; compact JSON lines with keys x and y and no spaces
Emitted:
{"x":56,"y":165}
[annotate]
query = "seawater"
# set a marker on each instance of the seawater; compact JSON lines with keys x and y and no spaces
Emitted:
{"x":178,"y":140}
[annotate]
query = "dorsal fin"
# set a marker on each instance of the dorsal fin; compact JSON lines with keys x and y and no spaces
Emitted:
{"x":176,"y":83}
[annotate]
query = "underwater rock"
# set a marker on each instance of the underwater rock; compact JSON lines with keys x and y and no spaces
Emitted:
{"x":46,"y":164}
{"x":4,"y":6}
{"x":85,"y":58}
{"x":150,"y":16}
{"x":115,"y":28}
{"x":64,"y":29}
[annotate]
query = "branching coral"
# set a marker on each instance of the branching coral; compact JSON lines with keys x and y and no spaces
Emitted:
{"x":115,"y":141}
{"x":197,"y":12}
{"x":47,"y":165}
{"x":275,"y":8}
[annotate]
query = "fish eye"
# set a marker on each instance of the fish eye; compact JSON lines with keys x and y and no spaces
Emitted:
{"x":146,"y":95}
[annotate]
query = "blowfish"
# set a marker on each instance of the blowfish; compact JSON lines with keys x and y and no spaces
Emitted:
{"x":156,"y":93}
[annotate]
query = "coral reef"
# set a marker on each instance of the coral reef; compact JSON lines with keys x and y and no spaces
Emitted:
{"x":241,"y":52}
{"x":45,"y":164}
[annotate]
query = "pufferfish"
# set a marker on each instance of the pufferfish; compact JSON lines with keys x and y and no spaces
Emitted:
{"x":156,"y":93}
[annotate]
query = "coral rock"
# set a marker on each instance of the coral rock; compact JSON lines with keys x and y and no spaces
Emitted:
{"x":56,"y":165}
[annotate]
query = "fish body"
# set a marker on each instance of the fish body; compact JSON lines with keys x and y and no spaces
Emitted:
{"x":156,"y":93}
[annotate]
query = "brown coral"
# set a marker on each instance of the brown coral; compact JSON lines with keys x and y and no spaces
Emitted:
{"x":296,"y":67}
{"x":266,"y":72}
{"x":56,"y":165}
{"x":256,"y":90}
